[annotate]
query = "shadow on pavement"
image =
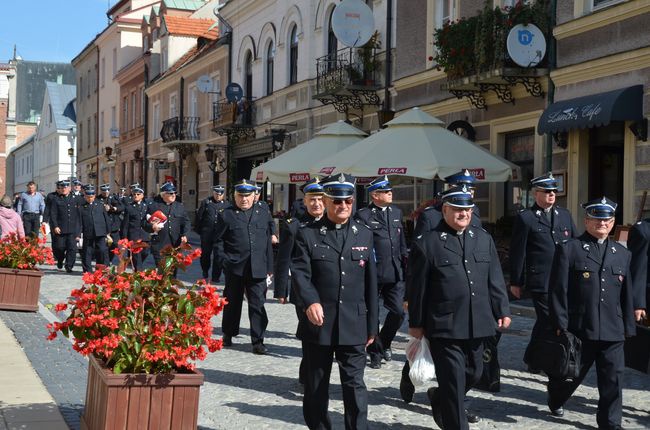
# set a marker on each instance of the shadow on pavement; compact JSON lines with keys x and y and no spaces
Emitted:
{"x":34,"y":415}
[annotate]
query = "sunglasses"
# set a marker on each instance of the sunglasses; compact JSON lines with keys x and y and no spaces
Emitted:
{"x":341,"y":201}
{"x":384,"y":191}
{"x":548,"y":191}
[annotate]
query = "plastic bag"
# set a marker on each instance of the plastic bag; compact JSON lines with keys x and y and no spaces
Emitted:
{"x":419,"y":357}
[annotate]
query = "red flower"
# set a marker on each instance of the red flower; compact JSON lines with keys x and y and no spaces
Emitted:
{"x":24,"y":253}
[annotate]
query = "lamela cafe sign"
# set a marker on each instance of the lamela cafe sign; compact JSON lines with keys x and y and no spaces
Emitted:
{"x":587,"y":112}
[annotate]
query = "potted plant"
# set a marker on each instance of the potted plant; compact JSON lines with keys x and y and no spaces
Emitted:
{"x":368,"y":60}
{"x":20,"y":280}
{"x":141,"y":331}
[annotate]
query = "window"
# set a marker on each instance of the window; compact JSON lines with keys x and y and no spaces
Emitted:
{"x":248,"y":75}
{"x":102,"y":72}
{"x":194,"y":102}
{"x":597,"y":4}
{"x":81,"y":87}
{"x":88,"y":135}
{"x":49,"y":110}
{"x":293,"y":55}
{"x":332,"y":45}
{"x":80,"y":135}
{"x":133,"y":109}
{"x":114,"y":62}
{"x":145,"y":44}
{"x":270,"y":58}
{"x":94,"y":129}
{"x":445,"y":12}
{"x":101,"y":126}
{"x":88,"y":84}
{"x":155,"y":128}
{"x":172,"y":106}
{"x":113,"y":129}
{"x":125,"y":115}
{"x":142,"y":105}
{"x":215,"y":94}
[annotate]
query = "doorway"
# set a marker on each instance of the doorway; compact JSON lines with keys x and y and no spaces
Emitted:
{"x":606,"y":154}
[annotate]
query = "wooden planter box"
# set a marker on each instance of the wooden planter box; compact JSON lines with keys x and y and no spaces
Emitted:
{"x":139,"y":401}
{"x":19,"y":289}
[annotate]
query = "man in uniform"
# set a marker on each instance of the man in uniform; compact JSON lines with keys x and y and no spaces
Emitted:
{"x":76,"y":190}
{"x":206,"y":221}
{"x":171,"y":232}
{"x":135,"y":217}
{"x":385,"y":221}
{"x":638,"y":243}
{"x":315,"y":209}
{"x":113,"y":205}
{"x":457,"y":297}
{"x":95,"y":226}
{"x":244,"y":231}
{"x":64,"y":221}
{"x":591,"y":296}
{"x":535,"y":234}
{"x":334,"y":275}
{"x":49,"y":202}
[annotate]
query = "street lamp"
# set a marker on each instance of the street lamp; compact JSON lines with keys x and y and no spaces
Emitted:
{"x":216,"y":158}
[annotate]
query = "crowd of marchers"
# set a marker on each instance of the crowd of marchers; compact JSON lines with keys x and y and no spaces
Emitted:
{"x":336,"y":266}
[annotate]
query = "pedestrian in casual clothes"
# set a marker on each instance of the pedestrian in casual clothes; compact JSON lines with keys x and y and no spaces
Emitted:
{"x":10,"y":221}
{"x":457,"y":297}
{"x":135,"y":216}
{"x":206,"y":222}
{"x":66,"y":228}
{"x":335,"y":279}
{"x":95,"y":226}
{"x":591,"y":295}
{"x":31,"y":207}
{"x":174,"y":229}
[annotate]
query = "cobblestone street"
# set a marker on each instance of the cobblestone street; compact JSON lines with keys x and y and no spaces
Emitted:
{"x":246,"y":391}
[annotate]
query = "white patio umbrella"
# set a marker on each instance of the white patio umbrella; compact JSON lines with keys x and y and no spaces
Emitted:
{"x":415,"y":144}
{"x":294,"y":165}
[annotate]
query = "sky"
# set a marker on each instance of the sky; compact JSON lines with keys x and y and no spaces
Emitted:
{"x":50,"y":30}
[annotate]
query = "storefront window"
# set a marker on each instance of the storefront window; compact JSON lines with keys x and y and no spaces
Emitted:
{"x":520,"y":149}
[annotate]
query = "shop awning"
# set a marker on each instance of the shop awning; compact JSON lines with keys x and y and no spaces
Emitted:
{"x":625,"y":104}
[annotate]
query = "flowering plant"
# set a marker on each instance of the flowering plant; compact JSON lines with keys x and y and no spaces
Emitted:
{"x":24,"y":252}
{"x":143,"y":321}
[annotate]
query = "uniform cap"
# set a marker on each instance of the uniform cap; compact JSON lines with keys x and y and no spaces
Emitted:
{"x":89,"y":190}
{"x":168,"y":187}
{"x":544,"y":182}
{"x":136,"y":185}
{"x":458,"y":196}
{"x":104,"y":187}
{"x":339,"y":186}
{"x":601,"y":208}
{"x":219,"y":189}
{"x":381,"y":183}
{"x":312,"y":186}
{"x":137,"y":189}
{"x":245,"y":187}
{"x":462,"y":177}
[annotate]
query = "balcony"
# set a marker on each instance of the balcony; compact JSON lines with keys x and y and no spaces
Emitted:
{"x":234,"y":118}
{"x":349,"y":78}
{"x":473,"y":53}
{"x":181,"y":134}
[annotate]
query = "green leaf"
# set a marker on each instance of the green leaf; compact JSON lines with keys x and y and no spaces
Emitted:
{"x":117,"y":369}
{"x":189,"y":308}
{"x":137,"y":346}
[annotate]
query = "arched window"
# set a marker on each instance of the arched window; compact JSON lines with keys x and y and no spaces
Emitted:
{"x":248,"y":75}
{"x":293,"y":55}
{"x":332,"y":45}
{"x":270,"y":58}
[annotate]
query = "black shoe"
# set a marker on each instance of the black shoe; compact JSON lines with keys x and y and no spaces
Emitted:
{"x":388,"y":354}
{"x":68,"y":270}
{"x":214,"y":281}
{"x":205,"y":275}
{"x":375,"y":362}
{"x":406,"y":387}
{"x":472,"y":418}
{"x":59,"y":266}
{"x":434,"y":399}
{"x":534,"y":370}
{"x":259,"y":349}
{"x":557,"y":412}
{"x":227,"y":340}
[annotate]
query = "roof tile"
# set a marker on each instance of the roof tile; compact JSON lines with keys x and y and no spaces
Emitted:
{"x":193,"y":27}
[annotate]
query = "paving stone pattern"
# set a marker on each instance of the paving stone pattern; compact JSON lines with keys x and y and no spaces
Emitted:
{"x":246,"y":391}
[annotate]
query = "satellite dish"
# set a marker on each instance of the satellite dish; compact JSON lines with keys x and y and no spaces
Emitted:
{"x":526,"y":45}
{"x":204,"y":83}
{"x":353,"y":23}
{"x":234,"y":92}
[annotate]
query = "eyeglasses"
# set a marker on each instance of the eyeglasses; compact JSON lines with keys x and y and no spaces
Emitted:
{"x":384,"y":191}
{"x":548,"y":191}
{"x":348,"y":202}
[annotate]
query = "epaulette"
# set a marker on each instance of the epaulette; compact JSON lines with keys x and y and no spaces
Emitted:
{"x":290,"y":220}
{"x":429,"y":207}
{"x":362,"y":223}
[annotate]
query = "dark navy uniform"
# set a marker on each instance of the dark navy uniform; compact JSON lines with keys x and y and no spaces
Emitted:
{"x":206,"y":220}
{"x":390,"y":252}
{"x":135,"y":217}
{"x":591,"y":295}
{"x":637,"y":242}
{"x":176,"y":226}
{"x":340,"y":274}
{"x":115,"y":209}
{"x":456,"y":293}
{"x":95,"y":226}
{"x":298,"y":209}
{"x":64,"y":214}
{"x":245,"y":243}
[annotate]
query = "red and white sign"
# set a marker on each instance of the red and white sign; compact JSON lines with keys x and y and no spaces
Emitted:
{"x":299,"y":177}
{"x":260,"y":176}
{"x":391,"y":171}
{"x":364,"y":180}
{"x":327,"y":170}
{"x":478,"y":173}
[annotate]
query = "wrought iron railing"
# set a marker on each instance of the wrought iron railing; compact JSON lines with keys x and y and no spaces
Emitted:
{"x":175,"y":129}
{"x":347,"y":66}
{"x":226,"y":114}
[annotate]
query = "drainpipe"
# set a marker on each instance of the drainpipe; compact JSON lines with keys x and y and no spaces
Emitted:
{"x":550,"y":96}
{"x":389,"y":56}
{"x":145,"y":123}
{"x":180,"y":130}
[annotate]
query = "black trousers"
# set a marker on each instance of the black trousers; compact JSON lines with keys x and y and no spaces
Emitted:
{"x":115,"y":235}
{"x":540,"y":301}
{"x":64,"y":247}
{"x":352,"y":361}
{"x":255,"y":289}
{"x":302,"y":370}
{"x":610,"y":363}
{"x":459,"y":364}
{"x":393,"y":297}
{"x":210,"y":256}
{"x":31,"y":224}
{"x":138,"y":259}
{"x":93,"y":247}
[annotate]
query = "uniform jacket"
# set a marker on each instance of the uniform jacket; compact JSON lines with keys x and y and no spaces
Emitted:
{"x":94,"y":219}
{"x":532,"y":245}
{"x":431,"y":217}
{"x":176,"y":226}
{"x":242,"y":240}
{"x":114,"y":213}
{"x":265,"y":206}
{"x":135,"y":217}
{"x":589,"y":297}
{"x":454,"y":294}
{"x":206,"y":216}
{"x":49,"y":201}
{"x":343,"y":280}
{"x":390,"y":250}
{"x":65,"y":214}
{"x":637,"y":242}
{"x":288,"y":230}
